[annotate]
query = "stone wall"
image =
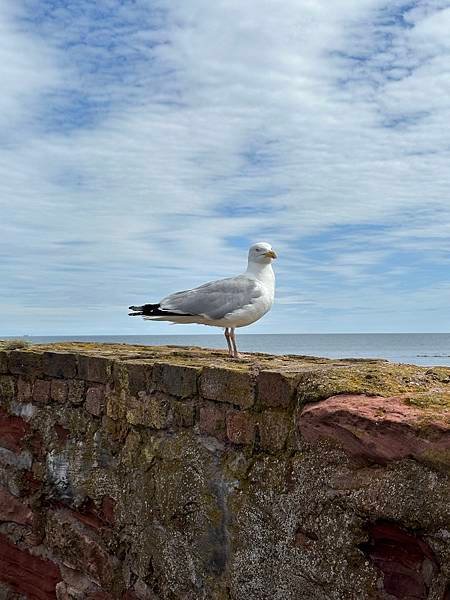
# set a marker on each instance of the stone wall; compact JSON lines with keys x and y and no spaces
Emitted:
{"x":164,"y":473}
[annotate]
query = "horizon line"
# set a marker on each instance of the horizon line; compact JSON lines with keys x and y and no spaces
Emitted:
{"x":26,"y":336}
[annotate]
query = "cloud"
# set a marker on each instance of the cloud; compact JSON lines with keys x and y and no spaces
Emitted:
{"x":149,"y":142}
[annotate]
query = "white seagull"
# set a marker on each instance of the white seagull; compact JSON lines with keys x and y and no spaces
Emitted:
{"x":229,"y":303}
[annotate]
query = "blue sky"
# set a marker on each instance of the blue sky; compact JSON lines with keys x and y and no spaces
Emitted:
{"x":145,"y":144}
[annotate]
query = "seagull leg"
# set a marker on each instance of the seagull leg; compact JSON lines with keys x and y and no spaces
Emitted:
{"x":228,"y":338}
{"x":233,"y":342}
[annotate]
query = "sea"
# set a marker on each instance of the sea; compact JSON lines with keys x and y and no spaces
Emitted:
{"x":429,"y":349}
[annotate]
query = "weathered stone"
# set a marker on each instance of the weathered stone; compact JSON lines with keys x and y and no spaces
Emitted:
{"x":7,"y":388}
{"x":14,"y":510}
{"x":183,"y":414}
{"x":27,"y":574}
{"x":380,"y":429}
{"x":75,"y":391}
{"x":407,"y":563}
{"x":25,"y":362}
{"x":115,"y":430}
{"x":26,"y":410}
{"x":95,"y":368}
{"x":61,"y":433}
{"x":276,"y":389}
{"x":66,"y":592}
{"x":75,"y":579}
{"x":131,"y":448}
{"x":41,"y":391}
{"x":95,"y":400}
{"x":116,"y":403}
{"x":3,"y":362}
{"x":26,"y":483}
{"x":23,"y":390}
{"x":227,"y":385}
{"x":58,"y":390}
{"x":142,"y":591}
{"x":240,"y":427}
{"x":95,"y":517}
{"x":176,"y":380}
{"x":82,"y":550}
{"x":149,"y":410}
{"x":212,"y":420}
{"x":305,"y":539}
{"x":195,"y":518}
{"x":13,"y":430}
{"x":138,"y":376}
{"x":60,"y":364}
{"x":17,"y":459}
{"x":107,"y":509}
{"x":273,"y":429}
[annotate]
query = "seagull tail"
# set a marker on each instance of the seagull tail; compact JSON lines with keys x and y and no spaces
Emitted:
{"x":144,"y":310}
{"x":152,"y":310}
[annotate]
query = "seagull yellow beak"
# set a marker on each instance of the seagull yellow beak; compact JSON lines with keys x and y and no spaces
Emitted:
{"x":270,"y":254}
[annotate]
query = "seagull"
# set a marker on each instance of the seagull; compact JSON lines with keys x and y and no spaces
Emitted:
{"x":228,"y":303}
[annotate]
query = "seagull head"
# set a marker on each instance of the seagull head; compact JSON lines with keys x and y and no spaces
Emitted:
{"x":262,"y":253}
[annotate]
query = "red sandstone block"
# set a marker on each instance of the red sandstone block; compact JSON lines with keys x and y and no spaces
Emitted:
{"x":89,"y":519}
{"x":407,"y":563}
{"x":95,"y":400}
{"x":276,"y":389}
{"x":240,"y":427}
{"x":58,"y":390}
{"x":273,"y":429}
{"x":41,"y":391}
{"x":75,"y":391}
{"x":34,"y":577}
{"x":12,"y":431}
{"x":95,"y":368}
{"x":176,"y":380}
{"x":212,"y":420}
{"x":23,"y":390}
{"x":227,"y":385}
{"x":95,"y":517}
{"x":82,"y":549}
{"x":25,"y":362}
{"x":108,"y":507}
{"x":62,"y":433}
{"x":59,"y":364}
{"x":376,"y":428}
{"x":13,"y":510}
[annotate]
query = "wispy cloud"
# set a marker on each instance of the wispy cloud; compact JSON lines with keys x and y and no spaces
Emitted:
{"x":146,"y":144}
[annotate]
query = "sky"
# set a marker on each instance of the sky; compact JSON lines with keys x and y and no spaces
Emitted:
{"x":145,"y":144}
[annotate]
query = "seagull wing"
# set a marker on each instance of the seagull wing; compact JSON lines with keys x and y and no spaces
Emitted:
{"x":215,"y":299}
